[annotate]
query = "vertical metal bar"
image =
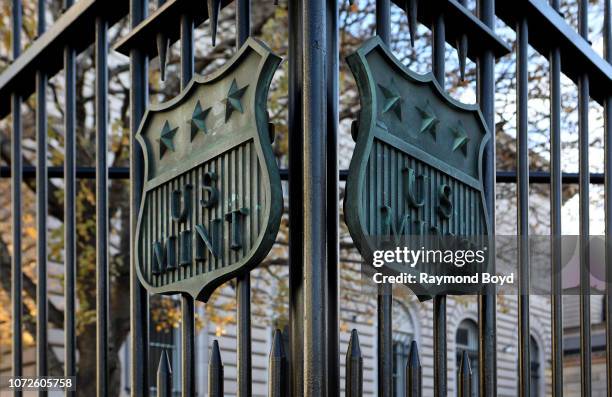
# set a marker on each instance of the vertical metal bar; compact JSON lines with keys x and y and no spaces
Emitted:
{"x":102,"y":278}
{"x":523,"y":205}
{"x":139,"y":298}
{"x":354,"y":367}
{"x":383,"y":20}
{"x":487,"y":351}
{"x":70,"y":211}
{"x":187,"y":302}
{"x":164,"y":376}
{"x":414,"y":373}
{"x":215,"y":372}
{"x":555,"y":217}
{"x":439,"y":302}
{"x":315,"y":208}
{"x":296,"y":200}
{"x":583,"y":170}
{"x":277,"y":366}
{"x":41,"y":212}
{"x":16,"y":179}
{"x":333,"y":337}
{"x":243,"y":283}
{"x":608,"y":195}
{"x":385,"y":292}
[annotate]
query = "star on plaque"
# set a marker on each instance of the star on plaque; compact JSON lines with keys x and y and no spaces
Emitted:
{"x":233,"y":100}
{"x":429,"y":121}
{"x":392,"y":102}
{"x":198,"y":119}
{"x":461,"y":138}
{"x":165,"y":139}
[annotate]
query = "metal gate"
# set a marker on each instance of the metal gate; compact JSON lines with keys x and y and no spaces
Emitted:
{"x":309,"y":365}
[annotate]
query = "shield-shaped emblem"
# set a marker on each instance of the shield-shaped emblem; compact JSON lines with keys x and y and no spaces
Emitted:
{"x":212,"y":199}
{"x":416,"y":169}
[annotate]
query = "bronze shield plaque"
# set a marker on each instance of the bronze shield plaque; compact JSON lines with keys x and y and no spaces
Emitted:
{"x":212,"y":199}
{"x":417,"y":166}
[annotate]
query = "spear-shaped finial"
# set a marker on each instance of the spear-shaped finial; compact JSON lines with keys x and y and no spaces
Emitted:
{"x":354,"y":367}
{"x":465,"y":377}
{"x":462,"y":48}
{"x":163,"y":43}
{"x":214,"y":6}
{"x":413,"y":372}
{"x":411,"y":12}
{"x":278,"y":367}
{"x":164,"y":376}
{"x":215,"y":372}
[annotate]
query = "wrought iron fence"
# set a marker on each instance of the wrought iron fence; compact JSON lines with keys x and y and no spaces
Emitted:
{"x":309,"y":364}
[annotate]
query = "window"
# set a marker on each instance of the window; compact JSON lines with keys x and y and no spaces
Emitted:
{"x":466,"y":340}
{"x":534,"y":358}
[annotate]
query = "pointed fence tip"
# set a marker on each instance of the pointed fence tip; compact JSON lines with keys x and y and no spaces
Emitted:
{"x":462,"y":50}
{"x":354,"y":349}
{"x":215,"y":372}
{"x":465,"y":376}
{"x":465,"y":369}
{"x":413,"y":357}
{"x":214,"y":6}
{"x":411,"y":13}
{"x":164,"y":375}
{"x":215,"y":357}
{"x":164,"y":366}
{"x":278,"y":350}
{"x":163,"y":43}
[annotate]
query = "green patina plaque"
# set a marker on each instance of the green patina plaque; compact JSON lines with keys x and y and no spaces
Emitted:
{"x":417,"y":164}
{"x":212,"y":199}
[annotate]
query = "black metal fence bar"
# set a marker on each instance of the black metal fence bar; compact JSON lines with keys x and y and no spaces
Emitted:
{"x":164,"y":376}
{"x":243,"y":282}
{"x":102,"y":275}
{"x":439,"y":301}
{"x":523,"y":206}
{"x":608,"y":195}
{"x":583,"y":170}
{"x":277,"y":367}
{"x":385,"y":292}
{"x":354,"y":367}
{"x":139,"y":299}
{"x":69,"y":210}
{"x":555,"y":217}
{"x":332,"y":220}
{"x":414,"y":372}
{"x":296,"y":200}
{"x":314,"y":175}
{"x":215,"y":372}
{"x":487,"y":305}
{"x":16,"y":179}
{"x":187,"y":302}
{"x":41,"y":211}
